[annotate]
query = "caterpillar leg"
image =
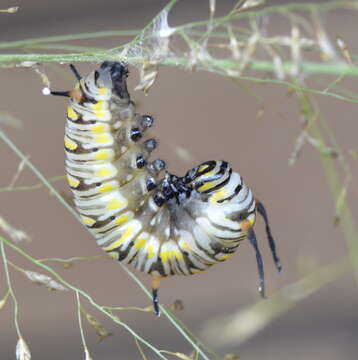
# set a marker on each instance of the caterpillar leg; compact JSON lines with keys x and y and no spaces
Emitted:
{"x":155,"y":289}
{"x":262,"y":211}
{"x":260,"y":265}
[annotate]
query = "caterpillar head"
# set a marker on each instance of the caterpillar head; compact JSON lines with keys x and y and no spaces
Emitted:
{"x":112,"y":75}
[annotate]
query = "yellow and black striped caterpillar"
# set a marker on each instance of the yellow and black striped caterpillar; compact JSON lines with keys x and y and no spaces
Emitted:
{"x":162,"y":225}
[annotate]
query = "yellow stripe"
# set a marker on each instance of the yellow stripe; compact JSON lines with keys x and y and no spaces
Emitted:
{"x":219,"y":195}
{"x":71,"y":114}
{"x":104,"y":172}
{"x":127,"y":233}
{"x":99,"y":105}
{"x":164,"y":255}
{"x":102,"y":155}
{"x":102,"y":139}
{"x":72,"y":181}
{"x":203,"y":167}
{"x":116,"y":204}
{"x":99,"y":128}
{"x":150,"y":251}
{"x":69,"y":144}
{"x":105,"y":188}
{"x":121,"y":219}
{"x":87,"y":220}
{"x":208,"y":185}
{"x":211,"y":172}
{"x":139,"y":243}
{"x":101,"y":114}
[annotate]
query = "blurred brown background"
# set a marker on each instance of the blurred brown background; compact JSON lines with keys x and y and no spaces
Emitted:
{"x":212,"y":118}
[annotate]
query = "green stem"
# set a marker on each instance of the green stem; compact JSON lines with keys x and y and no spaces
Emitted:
{"x":264,"y":66}
{"x":311,"y":68}
{"x":31,"y":187}
{"x":80,"y":322}
{"x":75,"y":258}
{"x":70,"y":37}
{"x":329,"y":165}
{"x":11,"y":290}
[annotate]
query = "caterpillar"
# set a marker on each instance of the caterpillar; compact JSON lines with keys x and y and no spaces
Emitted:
{"x":162,"y":225}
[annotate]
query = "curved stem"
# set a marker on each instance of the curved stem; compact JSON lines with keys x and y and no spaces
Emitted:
{"x":11,"y":290}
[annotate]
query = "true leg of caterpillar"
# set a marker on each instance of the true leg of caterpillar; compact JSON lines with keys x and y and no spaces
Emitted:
{"x":262,"y":211}
{"x":252,"y":237}
{"x":155,"y":289}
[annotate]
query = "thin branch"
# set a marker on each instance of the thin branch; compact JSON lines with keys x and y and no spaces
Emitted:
{"x":31,"y":187}
{"x":80,"y":324}
{"x":70,"y":37}
{"x":11,"y":290}
{"x":346,"y":219}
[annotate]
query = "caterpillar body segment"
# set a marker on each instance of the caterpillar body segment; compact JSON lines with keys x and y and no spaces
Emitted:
{"x":161,"y":224}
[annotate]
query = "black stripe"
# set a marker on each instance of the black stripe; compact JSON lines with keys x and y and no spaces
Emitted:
{"x":194,"y":173}
{"x":157,"y":266}
{"x":218,"y":186}
{"x":122,"y":254}
{"x":85,"y":98}
{"x":211,"y":165}
{"x":219,"y":174}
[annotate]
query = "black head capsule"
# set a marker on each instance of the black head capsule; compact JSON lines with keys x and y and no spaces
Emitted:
{"x":151,"y":144}
{"x":140,"y":162}
{"x":135,"y":134}
{"x":147,"y":121}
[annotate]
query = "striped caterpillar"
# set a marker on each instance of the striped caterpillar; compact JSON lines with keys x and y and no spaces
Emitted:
{"x":162,"y":225}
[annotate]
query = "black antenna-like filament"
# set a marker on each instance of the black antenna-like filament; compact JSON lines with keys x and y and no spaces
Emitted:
{"x":60,"y":93}
{"x":75,"y":72}
{"x":262,"y":211}
{"x":260,"y":265}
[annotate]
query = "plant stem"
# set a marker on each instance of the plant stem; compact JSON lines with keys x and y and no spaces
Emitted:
{"x":80,"y":322}
{"x":7,"y":274}
{"x":70,"y":37}
{"x":265,"y":66}
{"x":329,"y":166}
